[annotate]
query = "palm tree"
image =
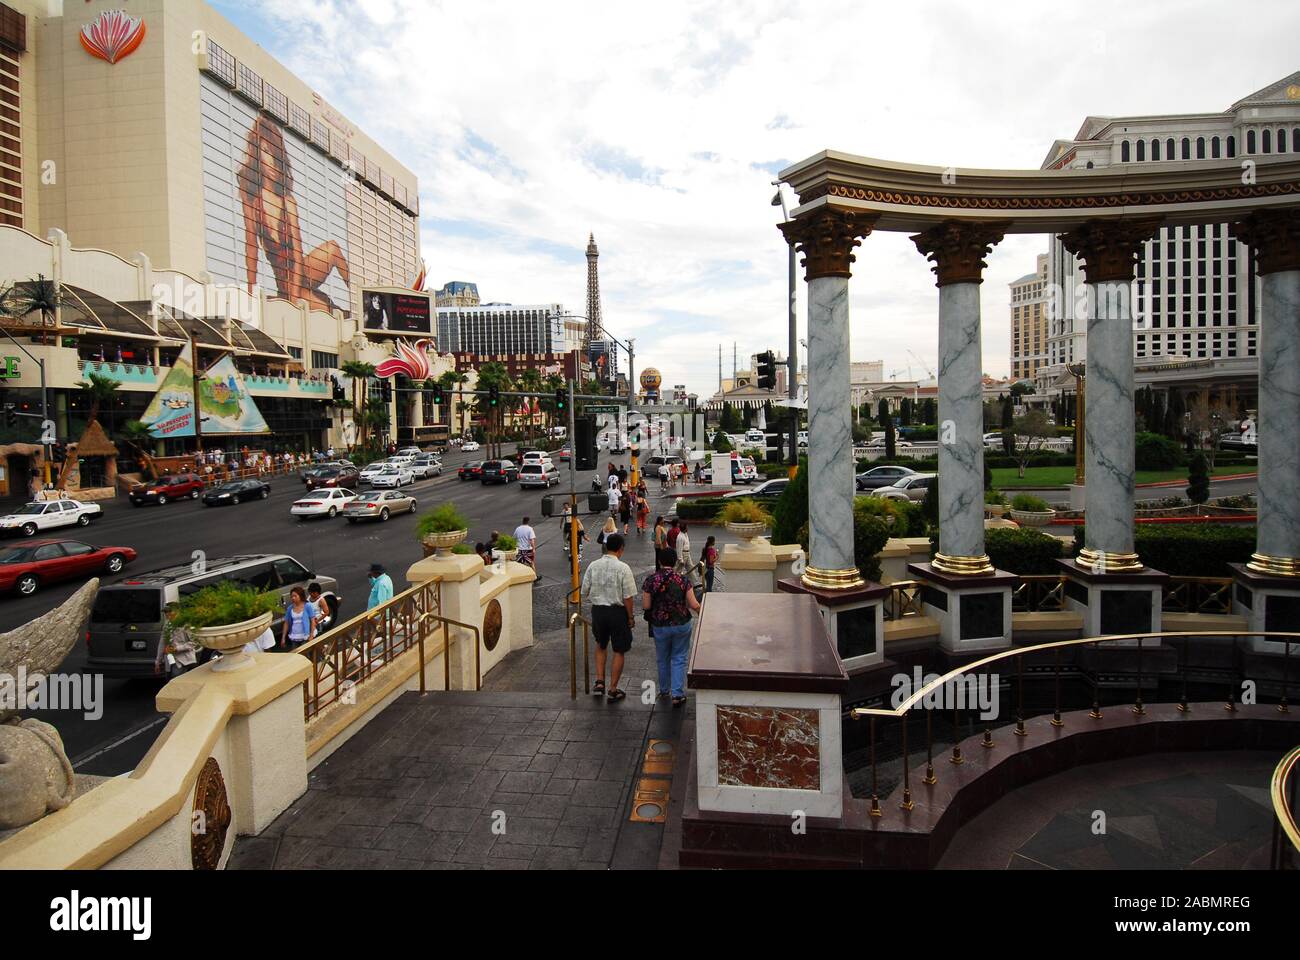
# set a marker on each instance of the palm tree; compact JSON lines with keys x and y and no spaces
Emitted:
{"x":100,"y":390}
{"x":360,"y":372}
{"x":492,"y":374}
{"x":138,"y":437}
{"x":530,"y":381}
{"x":35,"y":296}
{"x":374,"y":417}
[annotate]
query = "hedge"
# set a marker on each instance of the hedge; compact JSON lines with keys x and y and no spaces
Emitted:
{"x":699,"y":508}
{"x":1025,"y":551}
{"x":1190,"y":550}
{"x":1154,"y":452}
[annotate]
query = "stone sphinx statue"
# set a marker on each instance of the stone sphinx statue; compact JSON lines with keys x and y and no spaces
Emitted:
{"x":35,"y":775}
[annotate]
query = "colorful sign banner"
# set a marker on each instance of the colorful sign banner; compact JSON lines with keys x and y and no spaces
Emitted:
{"x":228,"y":410}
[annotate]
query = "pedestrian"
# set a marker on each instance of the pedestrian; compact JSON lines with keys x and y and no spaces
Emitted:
{"x":641,"y":489}
{"x":699,"y":472}
{"x":622,"y":476}
{"x":611,"y":482}
{"x":674,"y":531}
{"x":299,"y":620}
{"x":661,"y":534}
{"x":665,"y":478}
{"x":611,"y":588}
{"x":608,"y":530}
{"x":642,"y":514}
{"x":484,"y":554}
{"x":625,"y":510}
{"x":566,"y":525}
{"x":581,"y":535}
{"x":381,"y":586}
{"x":683,"y":547}
{"x":327,"y":605}
{"x":669,"y":601}
{"x":710,"y":561}
{"x":526,"y":541}
{"x":613,"y":498}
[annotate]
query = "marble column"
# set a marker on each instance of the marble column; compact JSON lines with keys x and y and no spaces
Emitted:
{"x":1109,"y":251}
{"x":1275,"y":237}
{"x":826,"y":239}
{"x":958,"y":251}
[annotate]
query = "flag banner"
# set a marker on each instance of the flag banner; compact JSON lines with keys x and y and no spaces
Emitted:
{"x":228,"y":410}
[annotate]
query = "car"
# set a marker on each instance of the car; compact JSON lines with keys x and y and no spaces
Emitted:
{"x":26,"y":567}
{"x":564,"y":454}
{"x":993,"y":441}
{"x":768,"y":490}
{"x":237,"y":491}
{"x":747,"y":472}
{"x":499,"y":471}
{"x":907,"y":488}
{"x":379,"y":505}
{"x":802,"y":438}
{"x":323,"y":503}
{"x":473,"y":470}
{"x":470,"y":446}
{"x":426,"y":465}
{"x":125,"y":632}
{"x":181,"y":486}
{"x":535,"y":456}
{"x":878,"y":443}
{"x":755,"y":436}
{"x":539,"y":475}
{"x":393,"y":476}
{"x":878,"y":477}
{"x":50,"y":515}
{"x":334,"y":477}
{"x":412,"y":452}
{"x":651,"y":466}
{"x":315,"y":468}
{"x":374,"y":470}
{"x":401,"y":460}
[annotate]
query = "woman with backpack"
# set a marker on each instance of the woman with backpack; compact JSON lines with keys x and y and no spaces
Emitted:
{"x":669,"y":602}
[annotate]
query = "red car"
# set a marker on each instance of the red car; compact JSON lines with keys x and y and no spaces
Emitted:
{"x":348,"y":477}
{"x":471,"y":471}
{"x":181,"y":486}
{"x":27,"y":567}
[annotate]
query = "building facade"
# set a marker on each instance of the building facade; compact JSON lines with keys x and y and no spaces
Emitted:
{"x":1029,"y":327}
{"x":501,"y":329}
{"x":1196,"y":289}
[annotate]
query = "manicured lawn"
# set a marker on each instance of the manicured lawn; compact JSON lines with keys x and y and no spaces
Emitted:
{"x":1009,"y":478}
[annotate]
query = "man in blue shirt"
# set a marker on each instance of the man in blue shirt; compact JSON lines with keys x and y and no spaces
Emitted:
{"x":381,"y":586}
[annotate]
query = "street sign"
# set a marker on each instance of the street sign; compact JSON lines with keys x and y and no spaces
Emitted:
{"x":603,"y":408}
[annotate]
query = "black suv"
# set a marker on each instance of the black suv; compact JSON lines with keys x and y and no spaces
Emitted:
{"x":499,"y":471}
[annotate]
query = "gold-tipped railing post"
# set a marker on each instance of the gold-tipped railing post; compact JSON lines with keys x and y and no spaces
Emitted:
{"x":1183,"y":705}
{"x":875,"y":794}
{"x":1020,"y":697}
{"x":956,"y":735}
{"x":907,"y":771}
{"x":1231,"y":705}
{"x":930,"y":778}
{"x":1283,"y":707}
{"x":446,"y":656}
{"x":1056,"y":669}
{"x":1138,"y":709}
{"x":1095,"y":712}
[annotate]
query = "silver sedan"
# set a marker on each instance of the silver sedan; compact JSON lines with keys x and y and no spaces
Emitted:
{"x":379,"y":505}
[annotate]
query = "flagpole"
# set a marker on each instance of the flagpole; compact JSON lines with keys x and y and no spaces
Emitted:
{"x":198,"y":410}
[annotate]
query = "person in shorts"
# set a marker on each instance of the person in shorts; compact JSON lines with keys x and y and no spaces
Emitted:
{"x":610,"y":587}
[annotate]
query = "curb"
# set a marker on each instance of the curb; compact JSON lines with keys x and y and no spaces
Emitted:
{"x":1183,"y":483}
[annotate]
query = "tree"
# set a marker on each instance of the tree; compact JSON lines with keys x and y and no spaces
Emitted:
{"x":1008,"y":428}
{"x":100,"y":391}
{"x":35,"y":296}
{"x":530,"y":381}
{"x":790,"y":512}
{"x":929,"y":412}
{"x":1198,"y":480}
{"x":1032,"y":431}
{"x":492,"y":374}
{"x":1020,"y":388}
{"x":1208,"y":417}
{"x":905,"y":412}
{"x":887,"y":422}
{"x":360,"y":372}
{"x":730,"y":422}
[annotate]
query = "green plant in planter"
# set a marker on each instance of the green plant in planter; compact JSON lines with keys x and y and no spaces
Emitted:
{"x":995,"y":498}
{"x":1027,"y":503}
{"x":223,"y":604}
{"x":463,"y":549}
{"x":444,"y":518}
{"x":506,"y":543}
{"x":744,"y":510}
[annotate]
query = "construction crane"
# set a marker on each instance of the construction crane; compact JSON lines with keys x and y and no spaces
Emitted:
{"x":924,"y":366}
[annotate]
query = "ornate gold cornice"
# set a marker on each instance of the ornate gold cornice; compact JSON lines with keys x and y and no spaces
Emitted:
{"x":826,"y":238}
{"x":958,"y":249}
{"x":1109,"y":249}
{"x":1275,"y":237}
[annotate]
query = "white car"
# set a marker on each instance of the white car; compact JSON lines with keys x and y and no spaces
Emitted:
{"x":50,"y":515}
{"x":993,"y":441}
{"x":402,"y":460}
{"x":538,"y":475}
{"x":375,"y":469}
{"x":536,"y":456}
{"x":803,"y":438}
{"x":324,"y":502}
{"x":879,"y":444}
{"x":470,"y":446}
{"x":412,"y":452}
{"x":425,"y":466}
{"x":393,"y":476}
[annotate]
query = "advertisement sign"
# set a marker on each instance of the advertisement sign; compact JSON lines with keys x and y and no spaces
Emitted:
{"x":9,"y":368}
{"x":227,"y":408}
{"x":399,"y":313}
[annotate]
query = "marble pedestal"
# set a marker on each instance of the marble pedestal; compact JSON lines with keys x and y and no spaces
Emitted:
{"x":1078,"y":496}
{"x":767,"y":712}
{"x":973,"y":612}
{"x":855,"y":620}
{"x":1115,"y":603}
{"x":1269,"y":604}
{"x":749,"y":568}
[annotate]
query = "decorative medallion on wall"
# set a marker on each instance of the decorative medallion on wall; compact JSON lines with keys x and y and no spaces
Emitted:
{"x":410,"y":360}
{"x":211,"y":818}
{"x":113,"y":35}
{"x":492,"y":625}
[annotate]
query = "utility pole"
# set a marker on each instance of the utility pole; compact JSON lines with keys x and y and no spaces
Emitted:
{"x":575,"y":594}
{"x":198,"y":409}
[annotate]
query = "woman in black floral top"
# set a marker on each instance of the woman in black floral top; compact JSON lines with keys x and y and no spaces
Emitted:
{"x":669,"y":601}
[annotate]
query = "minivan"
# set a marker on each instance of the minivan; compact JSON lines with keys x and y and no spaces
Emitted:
{"x":125,"y":632}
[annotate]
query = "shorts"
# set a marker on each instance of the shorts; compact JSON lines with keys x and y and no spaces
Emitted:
{"x":609,"y":626}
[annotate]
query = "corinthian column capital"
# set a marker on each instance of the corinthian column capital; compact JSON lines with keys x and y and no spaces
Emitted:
{"x":1274,"y":235}
{"x":1109,"y":248}
{"x":957,"y":249}
{"x":826,"y":239}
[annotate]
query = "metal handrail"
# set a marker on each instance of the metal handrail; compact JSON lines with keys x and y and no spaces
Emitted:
{"x":1283,"y":790}
{"x":573,"y":655}
{"x":902,"y":711}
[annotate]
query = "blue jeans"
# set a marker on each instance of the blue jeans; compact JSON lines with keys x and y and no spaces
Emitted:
{"x":672,"y":648}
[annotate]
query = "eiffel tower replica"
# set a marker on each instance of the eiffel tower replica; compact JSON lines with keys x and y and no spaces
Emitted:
{"x":593,"y":293}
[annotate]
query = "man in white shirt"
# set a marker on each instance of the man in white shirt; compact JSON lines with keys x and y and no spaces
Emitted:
{"x":610,"y":587}
{"x":526,"y":538}
{"x":613,"y":496}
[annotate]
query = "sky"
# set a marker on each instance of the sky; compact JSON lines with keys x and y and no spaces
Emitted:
{"x":659,"y":128}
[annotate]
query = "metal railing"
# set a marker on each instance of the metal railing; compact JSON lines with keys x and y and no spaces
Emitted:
{"x":574,"y":620}
{"x":348,"y":655}
{"x":1039,"y":594}
{"x":1197,"y":595}
{"x":1283,"y":790}
{"x":956,"y":685}
{"x":904,"y":600}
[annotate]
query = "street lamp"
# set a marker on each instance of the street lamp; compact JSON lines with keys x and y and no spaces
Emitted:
{"x":1079,"y":372}
{"x":791,"y":358}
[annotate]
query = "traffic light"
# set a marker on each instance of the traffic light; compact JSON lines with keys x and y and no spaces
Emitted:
{"x":494,"y":396}
{"x":340,"y":394}
{"x":438,"y":398}
{"x":11,"y":416}
{"x":584,"y":443}
{"x":767,"y":371}
{"x":386,"y":391}
{"x":561,"y":400}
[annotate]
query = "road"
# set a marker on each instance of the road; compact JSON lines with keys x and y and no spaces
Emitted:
{"x":169,"y":535}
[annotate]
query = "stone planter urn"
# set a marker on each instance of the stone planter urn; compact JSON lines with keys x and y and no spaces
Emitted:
{"x":229,"y":639}
{"x":995,"y":509}
{"x":509,"y":556}
{"x":748,"y":533}
{"x":1033,"y":518}
{"x":442,"y":543}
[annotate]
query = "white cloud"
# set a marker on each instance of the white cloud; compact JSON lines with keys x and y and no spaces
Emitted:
{"x":530,"y":125}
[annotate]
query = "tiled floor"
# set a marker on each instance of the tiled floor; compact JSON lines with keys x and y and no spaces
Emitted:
{"x":1173,"y":811}
{"x":515,"y":777}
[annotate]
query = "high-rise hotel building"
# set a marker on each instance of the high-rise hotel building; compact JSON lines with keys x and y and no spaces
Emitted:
{"x":1029,"y":332}
{"x":1197,"y":292}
